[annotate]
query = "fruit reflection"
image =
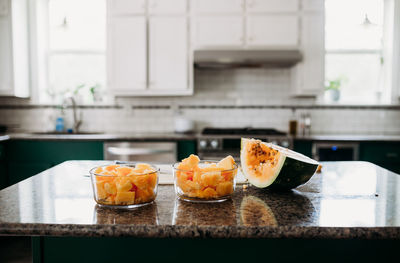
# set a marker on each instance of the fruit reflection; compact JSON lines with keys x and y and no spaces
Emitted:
{"x":255,"y":212}
{"x":269,"y":208}
{"x":217,"y":214}
{"x":142,"y":215}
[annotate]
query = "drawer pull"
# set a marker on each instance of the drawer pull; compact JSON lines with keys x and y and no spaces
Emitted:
{"x":392,"y":155}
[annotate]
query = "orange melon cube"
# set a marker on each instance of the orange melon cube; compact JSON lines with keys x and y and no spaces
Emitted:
{"x":144,"y":195}
{"x":140,"y":181}
{"x":99,"y":170}
{"x":224,"y":188}
{"x":228,"y":163}
{"x":101,"y":192}
{"x":125,"y":197}
{"x":123,"y":171}
{"x":188,"y":186}
{"x":123,"y":184}
{"x":208,"y":193}
{"x":152,"y":178}
{"x":143,"y":166}
{"x":192,"y":160}
{"x":211,"y":178}
{"x":110,"y":188}
{"x":111,"y":167}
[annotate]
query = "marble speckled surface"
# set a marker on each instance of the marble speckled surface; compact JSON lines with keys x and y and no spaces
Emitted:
{"x":347,"y":200}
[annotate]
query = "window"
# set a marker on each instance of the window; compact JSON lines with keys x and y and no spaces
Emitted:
{"x":75,"y":45}
{"x":357,"y":66}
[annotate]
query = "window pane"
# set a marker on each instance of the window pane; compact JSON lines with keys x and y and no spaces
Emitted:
{"x":361,"y":75}
{"x":77,"y":24}
{"x":67,"y":71}
{"x":345,"y":28}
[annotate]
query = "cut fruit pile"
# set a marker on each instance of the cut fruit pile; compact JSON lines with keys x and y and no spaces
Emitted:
{"x":124,"y":185}
{"x":268,"y":165}
{"x":205,"y":180}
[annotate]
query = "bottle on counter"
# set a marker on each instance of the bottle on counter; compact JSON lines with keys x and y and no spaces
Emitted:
{"x":60,"y":121}
{"x":305,"y":124}
{"x":293,"y":123}
{"x":59,"y":124}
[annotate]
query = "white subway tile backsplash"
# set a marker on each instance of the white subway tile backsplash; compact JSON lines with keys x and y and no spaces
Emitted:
{"x":233,"y":87}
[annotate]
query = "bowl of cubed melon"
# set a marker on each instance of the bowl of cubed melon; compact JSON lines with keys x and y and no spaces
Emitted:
{"x":205,"y":181}
{"x":124,"y":185}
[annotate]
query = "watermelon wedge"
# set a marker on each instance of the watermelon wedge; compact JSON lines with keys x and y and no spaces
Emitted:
{"x":268,"y":165}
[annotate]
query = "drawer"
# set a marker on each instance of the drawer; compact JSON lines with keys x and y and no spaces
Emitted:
{"x":384,"y":152}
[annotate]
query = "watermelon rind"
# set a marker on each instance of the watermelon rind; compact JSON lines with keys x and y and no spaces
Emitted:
{"x":293,"y":169}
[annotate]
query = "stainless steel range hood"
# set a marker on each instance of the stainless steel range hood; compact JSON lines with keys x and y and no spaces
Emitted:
{"x":220,"y":59}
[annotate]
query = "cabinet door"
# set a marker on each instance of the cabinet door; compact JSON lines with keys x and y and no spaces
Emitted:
{"x":310,"y":73}
{"x":6,"y":57}
{"x":168,"y":54}
{"x":273,"y":30}
{"x":257,"y":6}
{"x":127,"y":53}
{"x":126,"y":7}
{"x":167,"y":6}
{"x":218,"y":31}
{"x":217,"y":6}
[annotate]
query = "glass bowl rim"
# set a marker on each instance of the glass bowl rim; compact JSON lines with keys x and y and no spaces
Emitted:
{"x":91,"y":171}
{"x":236,"y":166}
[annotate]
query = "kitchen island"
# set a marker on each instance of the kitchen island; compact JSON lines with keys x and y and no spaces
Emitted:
{"x":351,"y":209}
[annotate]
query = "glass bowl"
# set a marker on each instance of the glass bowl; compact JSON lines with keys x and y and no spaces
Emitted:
{"x":206,"y":185}
{"x":125,"y":185}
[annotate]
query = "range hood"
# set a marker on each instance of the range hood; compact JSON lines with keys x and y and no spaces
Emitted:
{"x":220,"y":59}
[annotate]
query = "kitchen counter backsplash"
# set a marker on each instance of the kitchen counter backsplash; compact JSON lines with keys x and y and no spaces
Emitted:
{"x":227,"y":98}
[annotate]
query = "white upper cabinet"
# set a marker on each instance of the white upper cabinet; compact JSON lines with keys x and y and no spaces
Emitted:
{"x":217,"y":6}
{"x":6,"y":57}
{"x":14,"y":54}
{"x":148,"y":53}
{"x":167,"y":6}
{"x":126,"y":7}
{"x":168,"y":69}
{"x":272,"y":31}
{"x":127,"y":49}
{"x":313,"y":5}
{"x":260,"y":6}
{"x":218,"y":31}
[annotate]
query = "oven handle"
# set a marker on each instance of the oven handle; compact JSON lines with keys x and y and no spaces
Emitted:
{"x":136,"y":151}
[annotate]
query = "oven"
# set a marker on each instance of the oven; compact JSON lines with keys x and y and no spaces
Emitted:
{"x":215,"y":144}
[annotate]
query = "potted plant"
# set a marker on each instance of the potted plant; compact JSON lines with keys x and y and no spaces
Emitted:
{"x":333,"y":88}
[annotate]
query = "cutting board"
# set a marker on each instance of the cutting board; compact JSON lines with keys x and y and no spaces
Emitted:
{"x":166,"y":176}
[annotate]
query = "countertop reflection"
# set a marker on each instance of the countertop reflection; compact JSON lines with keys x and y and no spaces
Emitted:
{"x":346,"y":200}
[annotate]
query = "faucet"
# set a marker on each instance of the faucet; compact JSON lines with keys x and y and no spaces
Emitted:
{"x":77,"y":122}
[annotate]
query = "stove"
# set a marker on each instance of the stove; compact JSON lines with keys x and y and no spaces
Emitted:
{"x":216,"y":143}
{"x":241,"y":131}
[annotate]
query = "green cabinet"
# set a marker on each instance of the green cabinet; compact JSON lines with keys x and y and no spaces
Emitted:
{"x":130,"y":249}
{"x":25,"y":158}
{"x":384,"y":154}
{"x":303,"y":147}
{"x":186,"y":148}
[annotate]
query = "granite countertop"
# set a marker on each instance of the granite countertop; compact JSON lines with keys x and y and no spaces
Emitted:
{"x":171,"y":136}
{"x":347,"y":200}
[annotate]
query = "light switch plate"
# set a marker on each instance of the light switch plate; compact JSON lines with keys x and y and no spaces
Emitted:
{"x":3,"y":7}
